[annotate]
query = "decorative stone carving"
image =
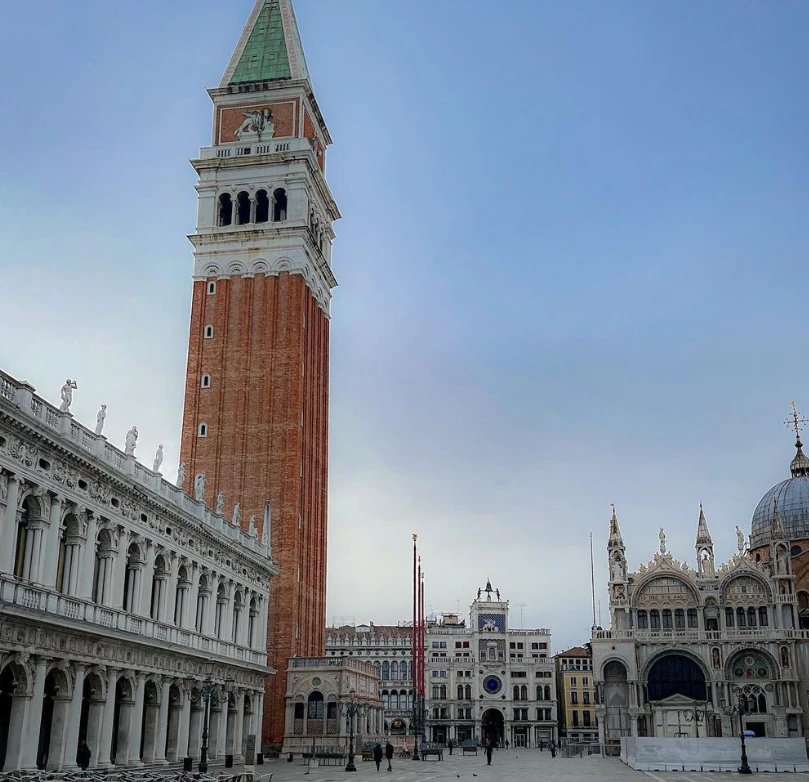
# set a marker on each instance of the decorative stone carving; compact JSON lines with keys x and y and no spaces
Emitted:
{"x":158,"y":459}
{"x":257,"y":124}
{"x":237,"y":514}
{"x":131,"y":441}
{"x":180,"y":475}
{"x":101,"y":416}
{"x":67,"y":395}
{"x":662,"y":536}
{"x":251,"y":527}
{"x":740,"y":540}
{"x":4,"y":489}
{"x":220,"y":502}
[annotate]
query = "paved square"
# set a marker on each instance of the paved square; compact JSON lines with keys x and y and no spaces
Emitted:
{"x":513,"y":764}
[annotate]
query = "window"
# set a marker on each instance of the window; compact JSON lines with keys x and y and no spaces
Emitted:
{"x":534,"y":646}
{"x":643,"y":620}
{"x":225,"y":209}
{"x":654,"y":619}
{"x":572,"y":681}
{"x":762,"y":616}
{"x":211,"y":288}
{"x":242,"y":208}
{"x":586,"y":716}
{"x":209,"y":330}
{"x":585,"y":698}
{"x":203,"y":430}
{"x":575,"y":715}
{"x":751,"y":617}
{"x":667,"y":619}
{"x":574,"y":697}
{"x":585,"y":682}
{"x":679,"y":619}
{"x":692,"y":618}
{"x":728,"y":617}
{"x":741,"y":619}
{"x":262,"y":206}
{"x":279,"y":205}
{"x":206,"y":381}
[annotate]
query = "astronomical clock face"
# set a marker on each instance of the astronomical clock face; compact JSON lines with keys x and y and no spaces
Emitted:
{"x":492,"y":623}
{"x":492,"y":685}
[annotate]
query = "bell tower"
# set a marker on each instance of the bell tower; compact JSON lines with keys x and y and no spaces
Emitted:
{"x":255,"y":422}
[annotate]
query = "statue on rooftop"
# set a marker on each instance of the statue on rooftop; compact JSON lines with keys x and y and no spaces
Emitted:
{"x":740,"y":539}
{"x":158,"y":459}
{"x":67,"y":395}
{"x":237,"y":514}
{"x":131,"y":441}
{"x":101,"y":416}
{"x":251,"y":527}
{"x":199,"y":488}
{"x":181,"y":475}
{"x":220,"y":502}
{"x":662,"y":536}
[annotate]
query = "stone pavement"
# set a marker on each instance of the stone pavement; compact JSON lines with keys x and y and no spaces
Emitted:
{"x":513,"y":764}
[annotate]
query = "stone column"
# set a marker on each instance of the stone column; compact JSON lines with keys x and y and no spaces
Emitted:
{"x":170,"y":592}
{"x":74,"y":719}
{"x":144,"y":606}
{"x":258,"y":718}
{"x":31,"y":738}
{"x":9,"y":528}
{"x":136,"y":721}
{"x":86,"y":562}
{"x":185,"y":726}
{"x":191,"y":599}
{"x":49,"y":556}
{"x":222,"y":726}
{"x":18,"y":729}
{"x":238,"y":729}
{"x":107,"y":719}
{"x":163,"y":721}
{"x":227,"y":615}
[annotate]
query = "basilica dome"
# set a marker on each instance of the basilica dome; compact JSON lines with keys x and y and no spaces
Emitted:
{"x":791,"y":499}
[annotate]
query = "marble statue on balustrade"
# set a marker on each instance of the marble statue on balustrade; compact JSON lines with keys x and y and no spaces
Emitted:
{"x":220,"y":502}
{"x":158,"y":459}
{"x":101,"y":416}
{"x":740,"y":540}
{"x":180,"y":475}
{"x":67,"y":395}
{"x":199,"y":488}
{"x":131,"y":441}
{"x":251,"y":527}
{"x":237,"y":514}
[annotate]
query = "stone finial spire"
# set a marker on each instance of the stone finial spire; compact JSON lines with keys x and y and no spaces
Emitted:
{"x":703,"y":534}
{"x":800,"y":464}
{"x":615,"y":539}
{"x":777,"y":531}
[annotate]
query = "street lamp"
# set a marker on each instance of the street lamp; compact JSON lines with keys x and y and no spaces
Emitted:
{"x":207,"y":689}
{"x":697,"y":715}
{"x":352,"y":709}
{"x":746,"y":705}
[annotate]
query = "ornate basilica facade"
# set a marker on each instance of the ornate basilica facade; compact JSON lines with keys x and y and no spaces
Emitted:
{"x":122,"y":601}
{"x":685,"y":642}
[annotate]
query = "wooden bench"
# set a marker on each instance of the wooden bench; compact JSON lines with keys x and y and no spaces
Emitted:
{"x":432,"y":750}
{"x":329,"y":756}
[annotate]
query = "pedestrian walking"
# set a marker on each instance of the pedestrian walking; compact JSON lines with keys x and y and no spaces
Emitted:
{"x":378,"y":755}
{"x":552,"y":747}
{"x":389,"y":754}
{"x":83,"y":756}
{"x":506,"y":743}
{"x":488,"y":753}
{"x":449,"y":746}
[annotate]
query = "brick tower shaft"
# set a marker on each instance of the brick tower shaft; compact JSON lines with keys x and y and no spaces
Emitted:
{"x":256,"y":402}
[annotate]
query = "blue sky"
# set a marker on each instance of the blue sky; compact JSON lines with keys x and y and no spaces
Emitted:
{"x":572,"y":265}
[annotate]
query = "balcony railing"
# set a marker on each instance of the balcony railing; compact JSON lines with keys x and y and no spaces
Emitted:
{"x":265,"y":147}
{"x":729,"y":634}
{"x":56,"y":606}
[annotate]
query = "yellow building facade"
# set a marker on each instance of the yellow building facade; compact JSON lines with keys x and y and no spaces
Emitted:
{"x":576,"y":695}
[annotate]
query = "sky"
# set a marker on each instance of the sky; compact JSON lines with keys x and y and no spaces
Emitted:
{"x":572,"y":267}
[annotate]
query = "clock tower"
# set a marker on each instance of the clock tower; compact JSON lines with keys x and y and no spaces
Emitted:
{"x":255,"y":421}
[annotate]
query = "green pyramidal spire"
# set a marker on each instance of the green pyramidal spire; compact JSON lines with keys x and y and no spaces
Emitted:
{"x":269,"y":48}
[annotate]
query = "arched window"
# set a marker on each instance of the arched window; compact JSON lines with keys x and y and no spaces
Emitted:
{"x":203,"y":430}
{"x":279,"y":205}
{"x":468,"y":692}
{"x":314,"y":713}
{"x":202,"y":604}
{"x":784,"y":657}
{"x":385,"y":670}
{"x":238,"y":605}
{"x":394,"y":700}
{"x":728,"y":617}
{"x":460,"y":692}
{"x":102,"y":574}
{"x":443,"y":694}
{"x":667,"y":619}
{"x":547,"y":692}
{"x":21,"y":543}
{"x":242,"y":208}
{"x":262,"y":206}
{"x":654,"y":619}
{"x":211,"y":288}
{"x":159,"y":579}
{"x":693,"y":623}
{"x":132,"y":579}
{"x":206,"y":381}
{"x":404,"y":669}
{"x":225,"y":209}
{"x":539,"y":692}
{"x":209,"y":331}
{"x":643,"y":620}
{"x":385,"y":699}
{"x":523,"y":693}
{"x":679,"y":619}
{"x":436,"y":692}
{"x":394,"y":670}
{"x":762,"y":616}
{"x":516,"y":693}
{"x":221,"y":605}
{"x":741,"y":618}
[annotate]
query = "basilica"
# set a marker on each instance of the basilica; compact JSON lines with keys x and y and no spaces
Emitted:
{"x":689,"y":643}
